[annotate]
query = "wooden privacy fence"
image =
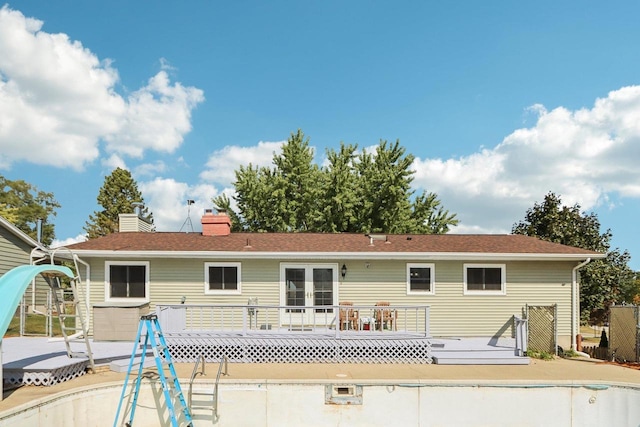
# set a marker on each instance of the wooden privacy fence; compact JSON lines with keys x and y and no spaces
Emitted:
{"x":596,"y":352}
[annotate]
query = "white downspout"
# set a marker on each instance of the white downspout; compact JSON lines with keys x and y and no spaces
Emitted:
{"x":575,"y":303}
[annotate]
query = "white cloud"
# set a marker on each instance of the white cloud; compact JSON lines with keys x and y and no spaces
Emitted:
{"x":223,"y":163}
{"x":150,"y":169}
{"x":583,"y":156}
{"x":69,"y":241}
{"x":58,"y":101}
{"x":157,"y":117}
{"x":167,"y":200}
{"x":114,"y":161}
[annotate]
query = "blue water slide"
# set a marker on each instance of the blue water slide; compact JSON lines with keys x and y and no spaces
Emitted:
{"x":13,"y":285}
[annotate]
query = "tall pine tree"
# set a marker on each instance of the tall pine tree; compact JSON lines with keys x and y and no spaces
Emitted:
{"x":117,"y":195}
{"x":353,"y":193}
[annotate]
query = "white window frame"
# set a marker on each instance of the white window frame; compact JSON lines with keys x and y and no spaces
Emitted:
{"x":107,"y":281}
{"x":309,"y":267}
{"x":432,"y":277}
{"x":208,"y":291}
{"x":503,"y":277}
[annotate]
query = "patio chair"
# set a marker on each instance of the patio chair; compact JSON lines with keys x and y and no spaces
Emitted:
{"x":386,"y":317}
{"x":348,"y":316}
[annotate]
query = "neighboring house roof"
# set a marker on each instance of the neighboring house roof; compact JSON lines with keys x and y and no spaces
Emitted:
{"x":18,"y":233}
{"x":315,"y":245}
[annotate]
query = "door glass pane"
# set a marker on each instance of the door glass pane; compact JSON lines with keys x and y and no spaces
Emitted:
{"x":294,"y":288}
{"x":323,"y":288}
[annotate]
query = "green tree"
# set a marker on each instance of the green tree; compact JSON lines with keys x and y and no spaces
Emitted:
{"x":23,"y":204}
{"x":388,"y":202}
{"x":10,"y":214}
{"x":280,"y":199}
{"x":603,"y":281}
{"x":631,"y":294}
{"x":297,"y":184}
{"x":385,"y":189}
{"x":339,"y":213}
{"x":117,"y":195}
{"x":353,"y":193}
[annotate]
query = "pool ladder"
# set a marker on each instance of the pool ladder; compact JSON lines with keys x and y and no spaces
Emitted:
{"x":199,"y":369}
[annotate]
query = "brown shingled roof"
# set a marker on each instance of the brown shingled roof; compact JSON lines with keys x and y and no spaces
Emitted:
{"x":328,"y":243}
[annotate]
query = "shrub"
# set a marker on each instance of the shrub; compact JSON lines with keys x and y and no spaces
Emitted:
{"x":537,"y":354}
{"x":604,"y":342}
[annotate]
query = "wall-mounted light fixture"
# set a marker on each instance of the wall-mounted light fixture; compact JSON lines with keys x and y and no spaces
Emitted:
{"x":343,"y":270}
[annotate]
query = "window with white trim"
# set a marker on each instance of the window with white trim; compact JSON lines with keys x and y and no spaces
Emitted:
{"x":485,"y":279}
{"x":222,"y":278}
{"x":420,"y":279}
{"x":127,"y":280}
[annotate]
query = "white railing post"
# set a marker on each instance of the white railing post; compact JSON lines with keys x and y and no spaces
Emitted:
{"x":521,"y":335}
{"x":245,"y":315}
{"x":336,"y":309}
{"x":224,"y":318}
{"x":427,"y":315}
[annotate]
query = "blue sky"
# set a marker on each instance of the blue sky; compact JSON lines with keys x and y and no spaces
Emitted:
{"x":500,"y":102}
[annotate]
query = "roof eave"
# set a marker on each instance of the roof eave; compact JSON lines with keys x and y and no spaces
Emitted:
{"x":410,"y":256}
{"x":19,"y":233}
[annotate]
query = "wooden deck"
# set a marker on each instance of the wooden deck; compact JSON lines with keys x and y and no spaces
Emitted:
{"x":475,"y":351}
{"x":39,"y":361}
{"x":300,"y":347}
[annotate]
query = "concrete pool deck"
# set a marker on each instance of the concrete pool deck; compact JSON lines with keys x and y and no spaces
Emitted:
{"x":557,"y":371}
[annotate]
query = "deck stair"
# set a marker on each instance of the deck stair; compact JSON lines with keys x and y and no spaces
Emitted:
{"x":475,"y":351}
{"x":175,"y":402}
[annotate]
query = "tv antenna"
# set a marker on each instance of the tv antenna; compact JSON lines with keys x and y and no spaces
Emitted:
{"x":187,"y":222}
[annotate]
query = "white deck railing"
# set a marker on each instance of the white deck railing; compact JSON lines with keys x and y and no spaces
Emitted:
{"x":267,"y":319}
{"x":520,"y":326}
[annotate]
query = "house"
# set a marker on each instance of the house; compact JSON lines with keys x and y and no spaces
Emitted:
{"x":15,"y":246}
{"x":474,"y":284}
{"x":15,"y":250}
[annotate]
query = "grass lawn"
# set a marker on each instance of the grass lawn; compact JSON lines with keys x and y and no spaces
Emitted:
{"x":35,"y":325}
{"x":591,"y":335}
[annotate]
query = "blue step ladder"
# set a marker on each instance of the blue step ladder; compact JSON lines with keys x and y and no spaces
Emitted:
{"x":170,"y":385}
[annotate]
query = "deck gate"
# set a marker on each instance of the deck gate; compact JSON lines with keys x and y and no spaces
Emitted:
{"x":543,"y":335}
{"x":624,"y":333}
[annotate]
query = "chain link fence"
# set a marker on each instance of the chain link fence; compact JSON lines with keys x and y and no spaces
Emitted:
{"x":624,"y":338}
{"x":542,"y":322}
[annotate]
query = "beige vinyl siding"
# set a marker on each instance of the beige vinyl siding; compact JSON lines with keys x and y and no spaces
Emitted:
{"x":380,"y":281}
{"x":456,"y":314}
{"x":15,"y":252}
{"x":171,"y":279}
{"x":366,"y":283}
